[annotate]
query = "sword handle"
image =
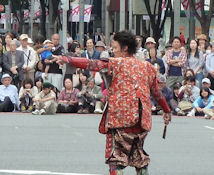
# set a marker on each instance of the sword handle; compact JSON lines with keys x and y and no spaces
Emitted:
{"x":164,"y":132}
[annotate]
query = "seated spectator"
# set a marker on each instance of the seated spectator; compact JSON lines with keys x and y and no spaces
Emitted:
{"x":39,"y":72}
{"x":82,"y":81}
{"x":188,"y":93}
{"x":153,"y":58}
{"x":175,"y":100}
{"x":26,"y":95}
{"x":68,"y":100}
{"x":89,"y":97}
{"x":38,"y":83}
{"x":189,"y":73}
{"x":167,"y":93}
{"x":207,"y":83}
{"x":202,"y":103}
{"x":9,"y":100}
{"x":45,"y":101}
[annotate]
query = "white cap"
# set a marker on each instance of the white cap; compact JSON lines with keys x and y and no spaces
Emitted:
{"x":30,"y":41}
{"x":23,"y":36}
{"x":150,"y":40}
{"x":47,"y":41}
{"x":6,"y":76}
{"x":206,"y":80}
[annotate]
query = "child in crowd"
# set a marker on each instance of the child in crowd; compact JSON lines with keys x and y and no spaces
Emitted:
{"x":203,"y":104}
{"x":47,"y":54}
{"x":26,"y":95}
{"x":45,"y":101}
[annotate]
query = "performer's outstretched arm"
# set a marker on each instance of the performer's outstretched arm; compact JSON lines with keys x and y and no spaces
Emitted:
{"x":84,"y":63}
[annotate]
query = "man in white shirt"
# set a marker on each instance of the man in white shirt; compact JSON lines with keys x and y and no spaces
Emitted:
{"x":30,"y":57}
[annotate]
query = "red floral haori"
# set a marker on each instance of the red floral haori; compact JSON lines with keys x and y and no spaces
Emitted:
{"x":132,"y":79}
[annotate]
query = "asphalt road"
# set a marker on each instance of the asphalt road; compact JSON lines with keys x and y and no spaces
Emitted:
{"x":70,"y":144}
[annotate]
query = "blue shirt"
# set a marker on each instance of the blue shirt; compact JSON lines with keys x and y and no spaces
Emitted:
{"x":201,"y":103}
{"x":210,"y":62}
{"x":11,"y":92}
{"x":47,"y":54}
{"x":174,"y":70}
{"x":161,"y":64}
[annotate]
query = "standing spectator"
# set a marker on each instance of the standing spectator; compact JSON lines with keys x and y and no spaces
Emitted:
{"x":202,"y":39}
{"x":30,"y":42}
{"x":103,"y":38}
{"x":195,"y":61}
{"x":68,"y":100}
{"x":1,"y":60}
{"x":26,"y":95}
{"x":55,"y":76}
{"x":167,"y":47}
{"x":90,"y":52}
{"x":210,"y":66}
{"x":38,"y":43}
{"x":30,"y":57}
{"x":188,"y":93}
{"x":139,"y":54}
{"x":89,"y":97}
{"x":8,"y":39}
{"x":176,"y":60}
{"x":182,"y":39}
{"x":96,"y":38}
{"x":45,"y":101}
{"x":150,"y":43}
{"x":202,"y":103}
{"x":100,"y":47}
{"x":13,"y":62}
{"x":153,"y":58}
{"x":9,"y":99}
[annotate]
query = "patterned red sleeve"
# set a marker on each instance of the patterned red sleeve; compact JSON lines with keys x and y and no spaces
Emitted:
{"x":157,"y":94}
{"x":84,"y":63}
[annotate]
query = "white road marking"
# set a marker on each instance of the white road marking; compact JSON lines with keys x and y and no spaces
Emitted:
{"x":209,"y":127}
{"x":32,"y":172}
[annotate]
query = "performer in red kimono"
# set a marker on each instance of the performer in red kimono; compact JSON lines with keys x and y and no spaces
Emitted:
{"x":126,"y":119}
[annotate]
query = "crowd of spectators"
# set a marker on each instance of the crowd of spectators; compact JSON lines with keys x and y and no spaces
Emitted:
{"x":34,"y":81}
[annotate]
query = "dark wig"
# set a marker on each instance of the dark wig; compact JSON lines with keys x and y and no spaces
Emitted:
{"x":126,"y":38}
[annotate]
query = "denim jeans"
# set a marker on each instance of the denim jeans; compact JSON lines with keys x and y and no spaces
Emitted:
{"x":199,"y":77}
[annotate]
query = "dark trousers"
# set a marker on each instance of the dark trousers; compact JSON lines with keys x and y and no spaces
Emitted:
{"x":67,"y":108}
{"x":87,"y":103}
{"x":26,"y":101}
{"x":6,"y":105}
{"x":212,"y":81}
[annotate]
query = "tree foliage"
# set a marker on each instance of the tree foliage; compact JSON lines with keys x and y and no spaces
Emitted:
{"x":204,"y":19}
{"x":157,"y":24}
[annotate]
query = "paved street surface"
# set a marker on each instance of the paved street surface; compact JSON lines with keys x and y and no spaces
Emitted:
{"x":71,"y":145}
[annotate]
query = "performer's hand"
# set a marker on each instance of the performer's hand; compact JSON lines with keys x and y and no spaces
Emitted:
{"x":167,"y":118}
